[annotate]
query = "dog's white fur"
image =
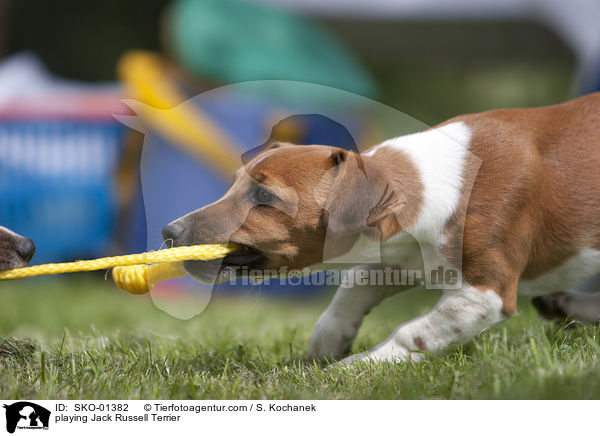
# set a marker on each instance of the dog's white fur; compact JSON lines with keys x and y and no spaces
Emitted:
{"x":439,"y":155}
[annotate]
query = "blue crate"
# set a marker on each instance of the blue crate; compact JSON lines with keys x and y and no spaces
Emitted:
{"x":57,"y":184}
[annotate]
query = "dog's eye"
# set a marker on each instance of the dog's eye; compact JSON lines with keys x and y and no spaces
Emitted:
{"x":262,"y":196}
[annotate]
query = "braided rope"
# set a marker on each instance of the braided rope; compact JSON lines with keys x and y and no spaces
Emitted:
{"x":139,"y":279}
{"x":135,"y":272}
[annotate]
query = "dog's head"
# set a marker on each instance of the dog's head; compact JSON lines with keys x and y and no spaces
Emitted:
{"x":291,"y":206}
{"x":15,"y":250}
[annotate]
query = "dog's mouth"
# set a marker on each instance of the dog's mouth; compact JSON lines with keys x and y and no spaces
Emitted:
{"x":235,"y":264}
{"x":245,"y":256}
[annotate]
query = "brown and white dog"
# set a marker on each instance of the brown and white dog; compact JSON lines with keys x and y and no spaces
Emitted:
{"x":511,"y":198}
{"x":15,"y":250}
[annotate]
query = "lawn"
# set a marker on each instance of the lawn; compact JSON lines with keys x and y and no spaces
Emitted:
{"x":82,"y":339}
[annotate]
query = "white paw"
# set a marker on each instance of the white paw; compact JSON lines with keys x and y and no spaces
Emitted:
{"x":355,"y":358}
{"x":332,"y":338}
{"x":382,"y":353}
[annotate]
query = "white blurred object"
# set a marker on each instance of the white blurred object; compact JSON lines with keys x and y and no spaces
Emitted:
{"x":576,"y":22}
{"x":28,"y":90}
{"x":23,"y":75}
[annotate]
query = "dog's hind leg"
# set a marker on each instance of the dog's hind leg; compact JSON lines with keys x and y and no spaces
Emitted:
{"x":577,"y":303}
{"x":338,"y":326}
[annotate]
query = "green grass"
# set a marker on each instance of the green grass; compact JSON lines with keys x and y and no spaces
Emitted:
{"x":85,"y":340}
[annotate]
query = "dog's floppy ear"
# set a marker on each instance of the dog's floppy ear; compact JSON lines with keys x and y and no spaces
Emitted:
{"x":362,"y":198}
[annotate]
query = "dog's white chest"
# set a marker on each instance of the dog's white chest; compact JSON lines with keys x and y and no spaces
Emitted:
{"x":566,"y":276}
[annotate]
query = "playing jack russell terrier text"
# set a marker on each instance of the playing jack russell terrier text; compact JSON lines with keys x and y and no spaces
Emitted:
{"x":509,"y":198}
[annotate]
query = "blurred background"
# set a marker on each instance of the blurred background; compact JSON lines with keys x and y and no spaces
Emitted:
{"x":118,"y":116}
{"x":70,"y":148}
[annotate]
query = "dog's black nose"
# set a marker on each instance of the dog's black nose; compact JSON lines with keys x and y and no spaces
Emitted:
{"x":172,"y":231}
{"x":26,"y":248}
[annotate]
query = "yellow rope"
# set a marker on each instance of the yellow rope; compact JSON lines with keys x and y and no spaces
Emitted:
{"x":134,"y":273}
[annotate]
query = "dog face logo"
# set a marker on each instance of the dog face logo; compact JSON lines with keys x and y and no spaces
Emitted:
{"x":26,"y":415}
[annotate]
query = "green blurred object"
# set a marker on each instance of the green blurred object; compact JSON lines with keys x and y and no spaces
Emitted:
{"x":231,"y":41}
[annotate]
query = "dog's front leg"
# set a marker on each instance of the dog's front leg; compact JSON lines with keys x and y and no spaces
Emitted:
{"x":457,"y":318}
{"x":338,"y":326}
